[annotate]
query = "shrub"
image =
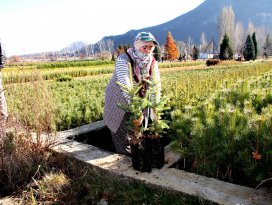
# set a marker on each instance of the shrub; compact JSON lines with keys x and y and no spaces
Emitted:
{"x":228,"y":136}
{"x":63,"y":78}
{"x":28,"y":134}
{"x":210,"y":62}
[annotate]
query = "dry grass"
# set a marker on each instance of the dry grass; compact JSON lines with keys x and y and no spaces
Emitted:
{"x":31,"y":174}
{"x":21,"y":153}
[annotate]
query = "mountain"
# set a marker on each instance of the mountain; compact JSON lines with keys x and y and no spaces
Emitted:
{"x":75,"y":46}
{"x":204,"y":19}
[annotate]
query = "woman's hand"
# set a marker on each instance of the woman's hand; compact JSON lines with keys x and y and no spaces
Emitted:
{"x":138,"y":122}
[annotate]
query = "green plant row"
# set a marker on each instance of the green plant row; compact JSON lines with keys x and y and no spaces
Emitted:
{"x":78,"y":102}
{"x":228,"y":136}
{"x":73,"y":69}
{"x":183,"y":88}
{"x":65,"y":64}
{"x":27,"y":76}
{"x":180,"y":64}
{"x":192,"y":86}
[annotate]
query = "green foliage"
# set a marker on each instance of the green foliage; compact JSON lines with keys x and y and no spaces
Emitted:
{"x":228,"y":136}
{"x":249,"y":49}
{"x":134,"y":108}
{"x":137,"y":105}
{"x":50,"y":74}
{"x":226,"y":52}
{"x":157,"y":53}
{"x":240,"y":125}
{"x":267,"y":47}
{"x":179,"y":64}
{"x":255,"y":45}
{"x":33,"y":105}
{"x":78,"y":102}
{"x":157,"y":107}
{"x":66,"y":64}
{"x":195,"y":53}
{"x":112,"y":57}
{"x":63,"y":78}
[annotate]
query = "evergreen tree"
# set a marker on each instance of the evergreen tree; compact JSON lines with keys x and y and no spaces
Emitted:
{"x":249,"y":49}
{"x":157,"y":53}
{"x":226,"y":52}
{"x":195,"y":53}
{"x":255,"y":45}
{"x":125,"y":48}
{"x":112,"y":56}
{"x":267,"y":47}
{"x":171,"y":50}
{"x":120,"y":49}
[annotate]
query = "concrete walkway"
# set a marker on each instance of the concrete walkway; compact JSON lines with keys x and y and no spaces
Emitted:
{"x":119,"y":166}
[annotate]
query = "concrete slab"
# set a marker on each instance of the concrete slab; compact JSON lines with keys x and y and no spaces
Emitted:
{"x":166,"y":178}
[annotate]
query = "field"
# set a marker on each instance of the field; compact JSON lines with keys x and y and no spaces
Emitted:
{"x":221,"y":116}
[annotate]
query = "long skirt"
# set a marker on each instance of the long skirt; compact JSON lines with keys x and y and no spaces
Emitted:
{"x":120,"y":138}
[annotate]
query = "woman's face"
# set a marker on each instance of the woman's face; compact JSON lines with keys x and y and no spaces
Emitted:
{"x":146,"y":49}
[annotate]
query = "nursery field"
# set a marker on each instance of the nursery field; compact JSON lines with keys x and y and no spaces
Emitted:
{"x":220,"y":117}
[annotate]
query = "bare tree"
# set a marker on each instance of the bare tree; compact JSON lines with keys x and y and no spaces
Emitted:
{"x":226,"y":22}
{"x":189,"y":47}
{"x":261,"y":35}
{"x":250,"y":28}
{"x":203,"y":42}
{"x":239,"y":37}
{"x":181,"y":46}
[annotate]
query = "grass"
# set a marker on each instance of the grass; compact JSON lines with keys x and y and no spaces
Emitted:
{"x":68,"y":181}
{"x":34,"y":175}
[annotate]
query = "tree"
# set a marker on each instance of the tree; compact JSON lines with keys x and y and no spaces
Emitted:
{"x":226,"y":52}
{"x":14,"y":59}
{"x":255,"y":45}
{"x":195,"y":53}
{"x":171,"y":50}
{"x":112,"y":56}
{"x":239,"y":37}
{"x":249,"y":50}
{"x":267,"y":47}
{"x":203,"y":42}
{"x":226,"y":22}
{"x":188,"y":49}
{"x":261,"y":35}
{"x":157,"y":53}
{"x":120,"y":49}
{"x":181,"y":46}
{"x":250,"y":28}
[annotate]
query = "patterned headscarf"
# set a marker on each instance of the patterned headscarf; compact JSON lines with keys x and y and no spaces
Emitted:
{"x":142,"y":61}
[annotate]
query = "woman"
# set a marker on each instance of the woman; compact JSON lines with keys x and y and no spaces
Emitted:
{"x":140,"y":56}
{"x":3,"y":104}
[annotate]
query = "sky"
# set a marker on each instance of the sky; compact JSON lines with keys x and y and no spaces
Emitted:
{"x":31,"y":26}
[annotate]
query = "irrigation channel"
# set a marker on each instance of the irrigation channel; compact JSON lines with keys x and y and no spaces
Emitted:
{"x":91,"y":144}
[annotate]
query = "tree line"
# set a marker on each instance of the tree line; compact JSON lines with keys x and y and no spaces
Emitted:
{"x":234,"y":42}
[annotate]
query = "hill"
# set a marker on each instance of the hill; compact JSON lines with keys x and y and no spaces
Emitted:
{"x":204,"y":19}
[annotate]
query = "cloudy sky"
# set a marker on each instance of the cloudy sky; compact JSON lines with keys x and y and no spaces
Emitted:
{"x":28,"y":26}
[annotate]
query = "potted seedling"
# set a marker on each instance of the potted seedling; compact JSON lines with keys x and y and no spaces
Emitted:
{"x":140,"y":156}
{"x":147,"y":149}
{"x":157,"y":126}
